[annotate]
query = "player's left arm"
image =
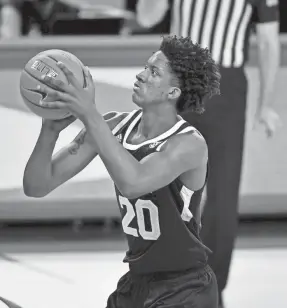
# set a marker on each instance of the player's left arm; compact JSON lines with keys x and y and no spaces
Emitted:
{"x":267,"y":29}
{"x":133,"y":178}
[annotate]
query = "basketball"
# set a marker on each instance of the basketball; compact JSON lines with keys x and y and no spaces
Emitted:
{"x":45,"y":63}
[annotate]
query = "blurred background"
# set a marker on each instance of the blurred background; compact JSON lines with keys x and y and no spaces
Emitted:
{"x":71,"y":242}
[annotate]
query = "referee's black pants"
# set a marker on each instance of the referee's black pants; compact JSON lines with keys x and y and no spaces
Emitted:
{"x":223,"y":125}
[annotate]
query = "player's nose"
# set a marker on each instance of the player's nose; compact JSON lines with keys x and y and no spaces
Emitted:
{"x":140,"y":77}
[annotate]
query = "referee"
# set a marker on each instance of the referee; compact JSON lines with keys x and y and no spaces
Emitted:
{"x":223,"y":26}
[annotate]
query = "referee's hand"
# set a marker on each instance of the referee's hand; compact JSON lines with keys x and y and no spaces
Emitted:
{"x":269,"y":119}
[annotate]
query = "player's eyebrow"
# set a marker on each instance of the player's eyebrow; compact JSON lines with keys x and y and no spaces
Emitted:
{"x":154,"y":66}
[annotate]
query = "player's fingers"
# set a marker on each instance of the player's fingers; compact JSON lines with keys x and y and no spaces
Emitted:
{"x":54,"y":104}
{"x":69,"y":74}
{"x":48,"y":91}
{"x":88,"y":78}
{"x":54,"y":83}
{"x":53,"y":95}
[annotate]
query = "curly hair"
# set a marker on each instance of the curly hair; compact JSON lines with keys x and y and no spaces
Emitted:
{"x":196,"y":72}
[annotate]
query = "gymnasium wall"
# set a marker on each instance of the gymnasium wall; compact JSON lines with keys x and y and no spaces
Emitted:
{"x":114,"y":61}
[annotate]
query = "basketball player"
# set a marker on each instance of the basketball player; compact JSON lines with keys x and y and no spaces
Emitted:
{"x":223,"y":26}
{"x":147,"y":153}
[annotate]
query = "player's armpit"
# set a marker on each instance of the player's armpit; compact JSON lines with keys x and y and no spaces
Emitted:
{"x":179,"y":155}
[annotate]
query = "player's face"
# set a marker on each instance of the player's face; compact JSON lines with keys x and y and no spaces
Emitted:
{"x":156,"y":83}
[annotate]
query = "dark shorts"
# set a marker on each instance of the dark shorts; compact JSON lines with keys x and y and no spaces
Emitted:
{"x":188,"y":289}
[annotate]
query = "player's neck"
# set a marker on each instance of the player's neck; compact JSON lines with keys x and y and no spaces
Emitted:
{"x":155,"y":122}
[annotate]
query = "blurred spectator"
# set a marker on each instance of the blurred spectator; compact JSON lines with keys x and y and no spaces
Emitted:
{"x":132,"y":27}
{"x":23,"y":17}
{"x":41,"y":14}
{"x":10,"y":19}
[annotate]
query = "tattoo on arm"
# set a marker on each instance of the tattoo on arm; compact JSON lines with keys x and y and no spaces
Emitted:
{"x":79,"y":140}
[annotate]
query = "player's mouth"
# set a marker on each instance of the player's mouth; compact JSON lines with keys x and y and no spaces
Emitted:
{"x":136,"y":86}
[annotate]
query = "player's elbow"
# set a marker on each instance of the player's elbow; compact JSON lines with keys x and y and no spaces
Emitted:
{"x":130,"y":191}
{"x":131,"y":195}
{"x":34,"y":191}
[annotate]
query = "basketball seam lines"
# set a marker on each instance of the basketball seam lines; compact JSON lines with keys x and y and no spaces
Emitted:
{"x":48,"y":56}
{"x":32,"y":76}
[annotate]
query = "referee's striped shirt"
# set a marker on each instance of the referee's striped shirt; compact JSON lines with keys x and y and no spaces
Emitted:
{"x":221,"y":25}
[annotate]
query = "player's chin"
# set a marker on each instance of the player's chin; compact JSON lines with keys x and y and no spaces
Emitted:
{"x":136,"y":99}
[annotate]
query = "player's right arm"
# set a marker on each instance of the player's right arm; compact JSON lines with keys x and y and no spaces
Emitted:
{"x":151,"y":12}
{"x":44,"y":171}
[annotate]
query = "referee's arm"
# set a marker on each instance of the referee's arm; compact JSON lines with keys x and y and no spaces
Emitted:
{"x":151,"y":12}
{"x":267,"y":29}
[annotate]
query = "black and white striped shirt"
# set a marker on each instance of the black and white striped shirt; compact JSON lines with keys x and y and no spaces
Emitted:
{"x":221,"y":25}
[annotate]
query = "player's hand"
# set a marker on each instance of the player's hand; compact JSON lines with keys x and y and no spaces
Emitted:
{"x":58,"y":125}
{"x":269,"y":119}
{"x":72,"y":96}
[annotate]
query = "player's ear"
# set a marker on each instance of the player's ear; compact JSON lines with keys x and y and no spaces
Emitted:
{"x":174,"y":93}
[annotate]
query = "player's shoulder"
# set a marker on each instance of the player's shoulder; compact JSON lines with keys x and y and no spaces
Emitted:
{"x":188,"y":140}
{"x":188,"y":136}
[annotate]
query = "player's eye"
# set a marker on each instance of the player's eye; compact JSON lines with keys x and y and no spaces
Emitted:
{"x":154,"y":72}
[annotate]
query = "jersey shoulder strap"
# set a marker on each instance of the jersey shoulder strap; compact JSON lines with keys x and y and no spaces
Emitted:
{"x":125,"y":122}
{"x":184,"y":128}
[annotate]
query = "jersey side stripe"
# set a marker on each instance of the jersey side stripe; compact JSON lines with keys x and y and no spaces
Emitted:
{"x":186,"y":195}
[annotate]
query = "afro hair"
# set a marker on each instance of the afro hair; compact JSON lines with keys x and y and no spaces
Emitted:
{"x":196,"y":72}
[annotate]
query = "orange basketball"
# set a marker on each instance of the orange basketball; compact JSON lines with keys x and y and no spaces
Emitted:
{"x":44,"y":63}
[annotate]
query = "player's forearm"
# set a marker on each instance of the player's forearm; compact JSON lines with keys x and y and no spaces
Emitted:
{"x":269,"y":61}
{"x":121,"y":165}
{"x":38,"y":171}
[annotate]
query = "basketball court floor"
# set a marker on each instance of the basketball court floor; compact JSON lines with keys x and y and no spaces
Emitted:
{"x":77,"y":273}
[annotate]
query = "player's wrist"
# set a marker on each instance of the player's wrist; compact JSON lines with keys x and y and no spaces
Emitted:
{"x":92,"y":116}
{"x":50,"y":131}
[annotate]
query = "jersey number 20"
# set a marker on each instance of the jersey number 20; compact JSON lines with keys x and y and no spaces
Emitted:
{"x":140,"y":205}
